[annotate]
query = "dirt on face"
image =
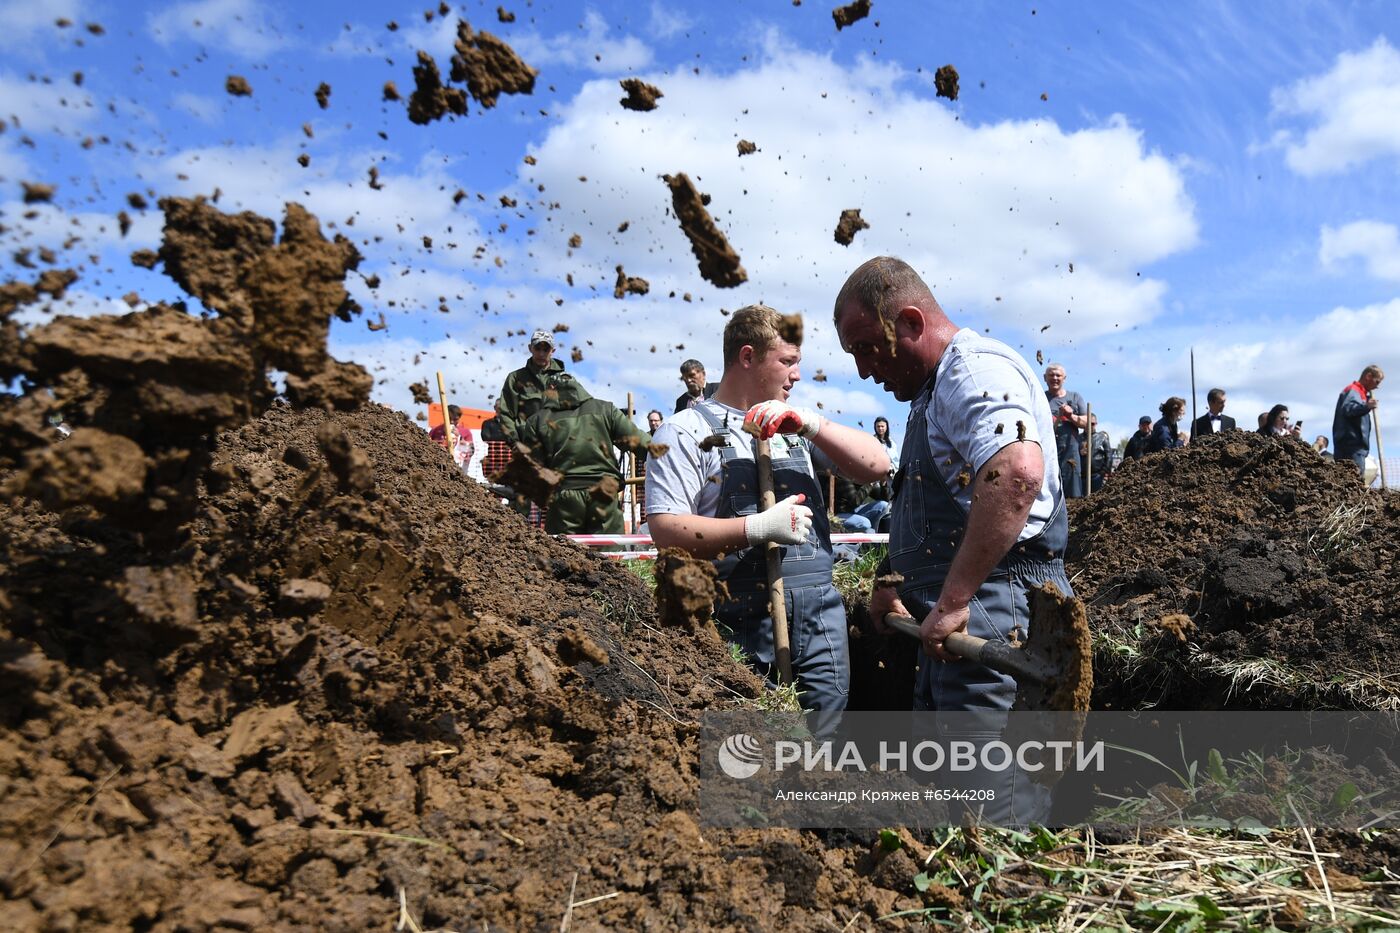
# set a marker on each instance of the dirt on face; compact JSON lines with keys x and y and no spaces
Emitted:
{"x":1242,"y":571}
{"x":431,"y":100}
{"x":629,"y":285}
{"x":850,"y":14}
{"x":640,"y":95}
{"x":719,"y":263}
{"x":849,"y":225}
{"x":945,"y":82}
{"x":489,"y":67}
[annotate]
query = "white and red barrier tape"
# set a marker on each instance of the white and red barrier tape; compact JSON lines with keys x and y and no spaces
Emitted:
{"x":626,"y":540}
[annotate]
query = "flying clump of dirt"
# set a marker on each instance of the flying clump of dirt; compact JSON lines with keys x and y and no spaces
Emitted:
{"x":849,"y":225}
{"x":431,"y":99}
{"x":421,"y":395}
{"x":323,"y":95}
{"x":719,"y":263}
{"x":36,"y":193}
{"x":147,"y":391}
{"x":850,"y":14}
{"x":790,"y":329}
{"x":746,"y":147}
{"x":640,"y":95}
{"x":945,"y":81}
{"x":489,"y":67}
{"x":629,"y":285}
{"x":238,"y":86}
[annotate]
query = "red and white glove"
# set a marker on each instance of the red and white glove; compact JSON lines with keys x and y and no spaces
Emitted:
{"x":788,"y":522}
{"x":774,"y":417}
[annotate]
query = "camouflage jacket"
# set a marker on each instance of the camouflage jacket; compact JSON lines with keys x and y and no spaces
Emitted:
{"x":522,"y":396}
{"x":578,"y":441}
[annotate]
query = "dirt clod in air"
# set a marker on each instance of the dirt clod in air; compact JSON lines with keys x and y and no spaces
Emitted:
{"x":719,"y":263}
{"x":421,"y":395}
{"x":945,"y":81}
{"x":323,"y":95}
{"x":629,"y":284}
{"x":36,"y":193}
{"x":640,"y":95}
{"x":746,"y":147}
{"x":530,"y":479}
{"x":349,"y":464}
{"x":303,"y":160}
{"x":137,"y":201}
{"x":145,"y":258}
{"x":374,"y":181}
{"x":576,"y":354}
{"x":431,"y":99}
{"x":238,"y":86}
{"x":575,"y":241}
{"x":850,"y":14}
{"x":790,"y":329}
{"x":503,"y":15}
{"x":391,"y":91}
{"x":685,"y":590}
{"x":849,"y":225}
{"x":489,"y":67}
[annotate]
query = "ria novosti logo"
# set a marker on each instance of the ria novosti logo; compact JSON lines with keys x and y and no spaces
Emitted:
{"x":740,"y":756}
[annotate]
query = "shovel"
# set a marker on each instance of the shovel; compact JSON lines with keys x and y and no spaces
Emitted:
{"x":1053,"y":668}
{"x":777,"y":606}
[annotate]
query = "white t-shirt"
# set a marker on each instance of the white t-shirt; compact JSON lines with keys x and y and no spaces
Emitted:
{"x":686,"y":480}
{"x":983,"y":391}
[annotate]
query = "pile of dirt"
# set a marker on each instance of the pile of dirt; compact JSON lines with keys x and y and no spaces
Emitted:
{"x":290,"y":658}
{"x":1240,"y":572}
{"x":719,"y":264}
{"x":349,"y":686}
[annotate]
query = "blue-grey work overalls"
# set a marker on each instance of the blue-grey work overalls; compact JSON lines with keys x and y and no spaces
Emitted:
{"x":816,"y":618}
{"x":926,"y":527}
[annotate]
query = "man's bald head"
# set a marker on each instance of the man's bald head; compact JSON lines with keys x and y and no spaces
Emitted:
{"x":883,"y":285}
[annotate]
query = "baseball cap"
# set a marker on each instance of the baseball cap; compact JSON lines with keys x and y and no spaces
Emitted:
{"x":1145,"y":419}
{"x":541,"y":336}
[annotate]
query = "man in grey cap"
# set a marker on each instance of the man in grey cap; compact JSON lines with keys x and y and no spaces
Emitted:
{"x":523,"y":392}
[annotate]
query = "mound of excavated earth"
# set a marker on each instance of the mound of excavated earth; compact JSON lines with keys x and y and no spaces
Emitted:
{"x":1240,"y":571}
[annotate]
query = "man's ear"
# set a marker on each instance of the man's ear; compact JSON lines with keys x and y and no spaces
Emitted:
{"x":746,"y":356}
{"x":910,"y":322}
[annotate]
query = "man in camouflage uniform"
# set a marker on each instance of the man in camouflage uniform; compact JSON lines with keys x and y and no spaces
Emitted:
{"x":523,"y":392}
{"x":575,"y":434}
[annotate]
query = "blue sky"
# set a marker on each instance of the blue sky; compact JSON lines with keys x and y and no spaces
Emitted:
{"x":1221,"y":176}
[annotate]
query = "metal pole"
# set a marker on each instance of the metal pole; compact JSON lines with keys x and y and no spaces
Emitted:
{"x":1193,"y":393}
{"x":1089,"y":460}
{"x":631,"y":473}
{"x":1380,"y":451}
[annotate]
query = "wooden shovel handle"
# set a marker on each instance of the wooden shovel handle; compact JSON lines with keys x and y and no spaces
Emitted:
{"x":777,"y":605}
{"x":997,"y":655}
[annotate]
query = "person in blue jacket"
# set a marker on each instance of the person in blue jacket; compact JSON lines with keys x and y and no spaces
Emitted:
{"x":1165,"y":436}
{"x":1351,"y":423}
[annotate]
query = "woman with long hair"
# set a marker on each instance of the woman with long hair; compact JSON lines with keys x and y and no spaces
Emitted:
{"x":1165,"y":435}
{"x":1276,"y":424}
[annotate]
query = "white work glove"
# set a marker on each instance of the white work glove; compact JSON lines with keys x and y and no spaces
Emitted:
{"x":774,"y":417}
{"x":788,"y":522}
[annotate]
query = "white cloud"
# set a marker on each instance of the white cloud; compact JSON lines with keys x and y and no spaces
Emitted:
{"x":204,"y":108}
{"x":984,"y":212}
{"x":38,"y":107}
{"x":22,"y":22}
{"x":588,"y":47}
{"x":1375,"y":243}
{"x":1351,"y":109}
{"x":1303,"y":367}
{"x":243,"y":27}
{"x":667,"y":22}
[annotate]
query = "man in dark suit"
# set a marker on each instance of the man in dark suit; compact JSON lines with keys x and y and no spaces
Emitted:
{"x":1215,"y":420}
{"x":696,"y":388}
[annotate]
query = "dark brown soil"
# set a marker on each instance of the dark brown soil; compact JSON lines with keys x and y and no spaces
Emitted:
{"x":849,"y":225}
{"x":431,"y":100}
{"x":945,"y":82}
{"x":850,"y":14}
{"x":1234,"y":550}
{"x":640,"y":95}
{"x":489,"y":67}
{"x":719,"y":264}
